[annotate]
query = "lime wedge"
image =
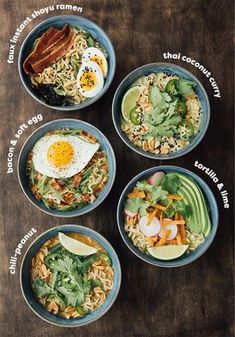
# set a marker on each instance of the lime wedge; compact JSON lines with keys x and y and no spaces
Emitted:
{"x":75,"y":246}
{"x":129,"y":101}
{"x":167,"y":252}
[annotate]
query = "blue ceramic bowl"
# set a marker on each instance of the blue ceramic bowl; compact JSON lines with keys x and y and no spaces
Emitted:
{"x":212,"y":208}
{"x":40,"y":132}
{"x":58,"y":22}
{"x":170,"y":69}
{"x":29,"y":295}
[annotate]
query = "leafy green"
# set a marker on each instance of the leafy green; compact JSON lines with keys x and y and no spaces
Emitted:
{"x":185,"y":210}
{"x":159,"y":98}
{"x":170,"y":183}
{"x":69,"y":282}
{"x":88,"y":262}
{"x":42,"y":288}
{"x":167,"y":128}
{"x":143,"y":208}
{"x":74,"y":298}
{"x":170,"y":211}
{"x":75,"y":64}
{"x":96,"y":283}
{"x":42,"y":185}
{"x":178,"y":207}
{"x":90,"y":42}
{"x":158,"y":194}
{"x":186,"y":86}
{"x":32,"y":174}
{"x":65,"y":265}
{"x":133,"y":205}
{"x":143,"y":185}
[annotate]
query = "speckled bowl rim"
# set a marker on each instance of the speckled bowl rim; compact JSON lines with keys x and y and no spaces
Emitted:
{"x":138,"y":150}
{"x":80,"y":210}
{"x":89,"y":230}
{"x":158,"y":262}
{"x":87,"y":102}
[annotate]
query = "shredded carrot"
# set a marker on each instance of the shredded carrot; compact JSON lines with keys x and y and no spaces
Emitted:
{"x":164,"y":238}
{"x":178,"y":238}
{"x":136,"y":194}
{"x":167,"y":221}
{"x":181,"y":229}
{"x":162,"y":208}
{"x":174,"y":197}
{"x":172,"y":242}
{"x":177,"y":217}
{"x":151,"y":216}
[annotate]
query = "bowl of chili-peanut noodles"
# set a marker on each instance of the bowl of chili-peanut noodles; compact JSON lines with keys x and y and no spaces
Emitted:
{"x":66,"y":168}
{"x":70,"y":276}
{"x":67,"y":62}
{"x":167,"y":216}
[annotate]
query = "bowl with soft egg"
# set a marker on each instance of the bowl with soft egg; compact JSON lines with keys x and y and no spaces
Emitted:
{"x":66,"y":168}
{"x":66,"y":62}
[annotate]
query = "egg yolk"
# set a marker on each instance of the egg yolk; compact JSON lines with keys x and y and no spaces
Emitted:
{"x":60,"y":154}
{"x":99,"y":61}
{"x":88,"y":80}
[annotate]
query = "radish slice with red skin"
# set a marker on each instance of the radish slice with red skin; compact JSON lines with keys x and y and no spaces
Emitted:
{"x":151,"y":229}
{"x":156,"y":178}
{"x":129,"y":213}
{"x":173,"y":231}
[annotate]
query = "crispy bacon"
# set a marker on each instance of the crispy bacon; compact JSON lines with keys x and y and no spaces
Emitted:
{"x":52,"y":45}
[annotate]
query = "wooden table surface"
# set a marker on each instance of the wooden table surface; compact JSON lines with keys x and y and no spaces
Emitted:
{"x":191,"y":301}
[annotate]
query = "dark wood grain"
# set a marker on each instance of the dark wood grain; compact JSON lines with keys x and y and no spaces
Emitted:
{"x":195,"y":300}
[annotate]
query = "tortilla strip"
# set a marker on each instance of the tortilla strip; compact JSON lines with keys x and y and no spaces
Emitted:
{"x":53,"y":44}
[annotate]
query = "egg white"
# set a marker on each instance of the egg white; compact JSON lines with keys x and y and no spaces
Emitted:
{"x":96,"y":70}
{"x":83,"y":152}
{"x":91,"y":52}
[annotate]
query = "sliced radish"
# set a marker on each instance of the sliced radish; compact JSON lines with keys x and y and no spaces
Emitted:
{"x":156,"y":178}
{"x":172,"y":228}
{"x":149,"y":230}
{"x":129,"y":213}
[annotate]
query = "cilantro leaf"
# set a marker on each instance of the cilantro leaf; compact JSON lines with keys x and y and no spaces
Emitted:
{"x":156,"y":116}
{"x":133,"y":205}
{"x":170,"y":211}
{"x":159,"y":98}
{"x":63,"y":265}
{"x":170,"y":183}
{"x":42,"y":288}
{"x":74,"y":298}
{"x":143,"y":208}
{"x":158,"y":194}
{"x":184,"y":209}
{"x":143,"y":185}
{"x":186,"y":86}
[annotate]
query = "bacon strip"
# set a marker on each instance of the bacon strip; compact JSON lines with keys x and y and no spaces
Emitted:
{"x":53,"y":44}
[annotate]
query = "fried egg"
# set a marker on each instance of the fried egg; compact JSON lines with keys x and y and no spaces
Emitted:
{"x":90,"y":79}
{"x":58,"y":156}
{"x":96,"y":55}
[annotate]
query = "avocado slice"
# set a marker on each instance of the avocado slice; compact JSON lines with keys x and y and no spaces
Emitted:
{"x":202,"y":207}
{"x":199,"y":221}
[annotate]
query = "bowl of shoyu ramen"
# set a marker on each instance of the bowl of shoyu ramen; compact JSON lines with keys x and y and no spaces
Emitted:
{"x":67,"y":62}
{"x":161,"y":111}
{"x":167,"y":216}
{"x":66,"y":167}
{"x":70,"y":276}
